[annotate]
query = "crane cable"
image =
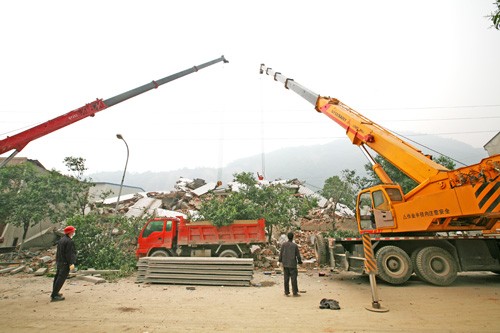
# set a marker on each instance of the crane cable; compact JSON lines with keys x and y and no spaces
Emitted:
{"x":262,"y":133}
{"x":221,"y":137}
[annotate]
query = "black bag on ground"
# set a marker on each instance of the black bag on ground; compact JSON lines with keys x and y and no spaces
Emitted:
{"x":327,"y":303}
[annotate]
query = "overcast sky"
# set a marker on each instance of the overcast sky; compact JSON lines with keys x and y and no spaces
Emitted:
{"x":429,"y":67}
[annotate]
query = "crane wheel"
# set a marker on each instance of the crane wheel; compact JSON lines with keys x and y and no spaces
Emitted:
{"x":437,"y":266}
{"x":394,"y":265}
{"x":320,"y":249}
{"x":414,"y":264}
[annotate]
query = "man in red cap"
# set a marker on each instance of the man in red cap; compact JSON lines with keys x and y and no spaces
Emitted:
{"x":65,"y":260}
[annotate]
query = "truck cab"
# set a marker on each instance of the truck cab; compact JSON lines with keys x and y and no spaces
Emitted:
{"x":158,"y":237}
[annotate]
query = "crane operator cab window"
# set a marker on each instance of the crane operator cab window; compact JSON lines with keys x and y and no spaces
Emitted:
{"x":394,"y":194}
{"x":365,"y":211}
{"x":382,"y":208}
{"x":375,"y":209}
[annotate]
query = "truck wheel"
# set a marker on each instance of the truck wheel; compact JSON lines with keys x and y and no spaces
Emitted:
{"x":320,"y":249}
{"x":394,"y":265}
{"x":437,"y":266}
{"x":160,"y":253}
{"x":228,"y":253}
{"x":414,"y":264}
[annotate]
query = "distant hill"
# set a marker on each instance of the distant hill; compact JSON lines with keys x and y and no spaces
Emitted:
{"x":312,"y":164}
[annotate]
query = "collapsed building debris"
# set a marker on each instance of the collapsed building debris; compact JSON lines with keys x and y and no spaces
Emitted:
{"x":43,"y":262}
{"x":185,"y":200}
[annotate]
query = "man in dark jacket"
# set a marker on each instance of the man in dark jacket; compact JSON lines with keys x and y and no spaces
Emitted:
{"x":289,"y":257}
{"x":65,"y":260}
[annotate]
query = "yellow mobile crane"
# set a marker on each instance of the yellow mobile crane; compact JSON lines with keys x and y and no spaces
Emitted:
{"x":410,"y":231}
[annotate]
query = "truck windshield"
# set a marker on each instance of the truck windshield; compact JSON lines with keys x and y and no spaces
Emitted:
{"x":152,"y":227}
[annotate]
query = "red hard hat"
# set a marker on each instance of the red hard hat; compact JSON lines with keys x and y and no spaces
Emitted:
{"x":69,"y":229}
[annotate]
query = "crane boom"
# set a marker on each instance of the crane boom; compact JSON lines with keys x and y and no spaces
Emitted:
{"x":444,"y":200}
{"x":362,"y":131}
{"x":18,"y":141}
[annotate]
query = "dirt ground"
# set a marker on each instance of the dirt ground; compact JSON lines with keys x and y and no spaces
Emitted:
{"x":471,"y":304}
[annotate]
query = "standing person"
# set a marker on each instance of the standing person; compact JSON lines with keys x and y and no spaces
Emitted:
{"x":289,"y":258}
{"x":65,"y":260}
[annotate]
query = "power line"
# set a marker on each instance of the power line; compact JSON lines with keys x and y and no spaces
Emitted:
{"x":305,"y":122}
{"x":255,"y":138}
{"x":438,"y":107}
{"x":302,"y":109}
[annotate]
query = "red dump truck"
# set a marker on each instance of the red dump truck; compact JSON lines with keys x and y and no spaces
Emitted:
{"x":175,"y":236}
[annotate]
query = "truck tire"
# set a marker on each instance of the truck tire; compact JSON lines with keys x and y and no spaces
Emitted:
{"x":320,"y":249}
{"x":437,"y":266}
{"x":229,"y":253}
{"x":394,"y":265}
{"x":160,"y":253}
{"x":414,"y":264}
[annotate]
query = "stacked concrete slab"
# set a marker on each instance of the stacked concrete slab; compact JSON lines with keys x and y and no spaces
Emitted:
{"x":195,"y":271}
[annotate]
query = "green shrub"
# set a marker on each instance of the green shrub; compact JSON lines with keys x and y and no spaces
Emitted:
{"x":98,"y":248}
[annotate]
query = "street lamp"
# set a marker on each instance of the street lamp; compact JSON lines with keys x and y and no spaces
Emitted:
{"x":120,"y":137}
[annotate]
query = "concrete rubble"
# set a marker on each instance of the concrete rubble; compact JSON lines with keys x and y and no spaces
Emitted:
{"x":42,"y":262}
{"x":185,"y":200}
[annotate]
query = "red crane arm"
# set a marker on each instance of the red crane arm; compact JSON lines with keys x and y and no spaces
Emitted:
{"x":20,"y":140}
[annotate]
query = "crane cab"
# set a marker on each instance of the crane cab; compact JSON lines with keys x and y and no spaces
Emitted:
{"x":374,"y":208}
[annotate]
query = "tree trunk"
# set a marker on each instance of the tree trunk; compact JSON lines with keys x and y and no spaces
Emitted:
{"x":334,"y":217}
{"x":25,"y":232}
{"x":269,"y":233}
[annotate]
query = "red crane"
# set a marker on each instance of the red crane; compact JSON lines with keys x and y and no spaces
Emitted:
{"x":18,"y":141}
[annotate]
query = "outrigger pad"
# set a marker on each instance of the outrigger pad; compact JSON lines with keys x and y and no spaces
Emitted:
{"x":331,"y":304}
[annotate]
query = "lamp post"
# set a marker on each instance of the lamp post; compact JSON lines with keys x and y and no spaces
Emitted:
{"x":120,"y":137}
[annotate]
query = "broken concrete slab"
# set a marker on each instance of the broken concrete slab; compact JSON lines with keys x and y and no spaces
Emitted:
{"x":92,"y":279}
{"x":18,"y":269}
{"x":41,"y":271}
{"x":7,"y":270}
{"x":144,"y":206}
{"x":43,"y":239}
{"x":46,"y":259}
{"x":204,"y":189}
{"x":98,"y":271}
{"x":160,"y":212}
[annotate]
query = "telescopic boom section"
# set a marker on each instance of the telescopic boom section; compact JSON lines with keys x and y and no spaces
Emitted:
{"x":362,"y":131}
{"x":18,"y":141}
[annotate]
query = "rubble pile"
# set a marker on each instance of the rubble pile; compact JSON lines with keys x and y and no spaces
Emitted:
{"x":28,"y":261}
{"x":329,"y":219}
{"x":186,"y":199}
{"x":266,"y":257}
{"x":43,"y":262}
